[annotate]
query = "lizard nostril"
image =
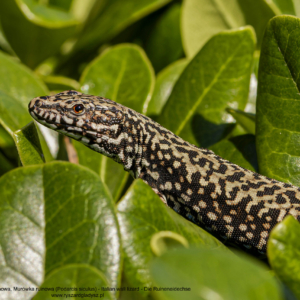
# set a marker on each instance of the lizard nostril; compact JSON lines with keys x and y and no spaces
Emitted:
{"x":37,"y":103}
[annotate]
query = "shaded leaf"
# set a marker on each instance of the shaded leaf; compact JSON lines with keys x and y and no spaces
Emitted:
{"x":48,"y":27}
{"x":246,"y":120}
{"x":114,"y":17}
{"x":240,"y":150}
{"x":218,"y":76}
{"x":278,"y":101}
{"x":141,"y":214}
{"x":28,"y":145}
{"x":210,"y":274}
{"x":164,"y":84}
{"x":88,"y":157}
{"x":5,"y":138}
{"x":8,"y":152}
{"x":283,"y":251}
{"x":5,"y":164}
{"x":163,"y":45}
{"x":123,"y":74}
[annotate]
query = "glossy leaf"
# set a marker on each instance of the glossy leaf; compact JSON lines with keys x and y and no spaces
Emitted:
{"x":210,"y":274}
{"x":81,"y":224}
{"x":28,"y":145}
{"x":22,"y":227}
{"x":278,"y":101}
{"x":201,"y":19}
{"x":141,"y":214}
{"x":246,"y":120}
{"x":124,"y":74}
{"x":81,"y":278}
{"x":163,"y":45}
{"x":114,"y":16}
{"x":240,"y":150}
{"x":37,"y":31}
{"x":64,"y":215}
{"x":18,"y":86}
{"x":216,"y":78}
{"x":164,"y":84}
{"x":283,"y":251}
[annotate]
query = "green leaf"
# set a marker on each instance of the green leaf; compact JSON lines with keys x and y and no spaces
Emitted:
{"x":81,"y":223}
{"x":287,"y":7}
{"x":5,"y":138}
{"x":79,"y":278}
{"x":18,"y":86}
{"x":88,"y":157}
{"x":283,"y":251}
{"x":240,"y":150}
{"x":216,"y":78}
{"x":37,"y":31}
{"x":141,"y":214}
{"x":28,"y":145}
{"x":8,"y":152}
{"x":114,"y":17}
{"x":246,"y":120}
{"x":123,"y":74}
{"x":82,"y":9}
{"x":61,"y":83}
{"x":210,"y":274}
{"x":164,"y":241}
{"x":64,"y":4}
{"x":164,"y":84}
{"x":201,"y":19}
{"x":278,"y":101}
{"x":163,"y":45}
{"x":44,"y":144}
{"x":52,"y":215}
{"x":21,"y":230}
{"x":5,"y":164}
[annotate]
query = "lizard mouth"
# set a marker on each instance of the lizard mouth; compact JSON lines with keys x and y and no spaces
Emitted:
{"x":70,"y":130}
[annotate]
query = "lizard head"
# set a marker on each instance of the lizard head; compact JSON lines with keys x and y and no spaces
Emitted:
{"x":94,"y":121}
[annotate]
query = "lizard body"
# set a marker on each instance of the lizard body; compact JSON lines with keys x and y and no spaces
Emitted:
{"x":234,"y":203}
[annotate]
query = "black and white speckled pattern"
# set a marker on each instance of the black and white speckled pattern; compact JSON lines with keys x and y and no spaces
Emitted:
{"x":230,"y":201}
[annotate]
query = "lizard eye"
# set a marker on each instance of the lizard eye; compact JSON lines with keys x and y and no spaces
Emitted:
{"x":78,"y":108}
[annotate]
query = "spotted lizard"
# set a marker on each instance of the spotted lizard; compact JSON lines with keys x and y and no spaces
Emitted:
{"x":234,"y":203}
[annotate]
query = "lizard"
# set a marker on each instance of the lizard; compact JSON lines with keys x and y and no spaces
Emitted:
{"x":233,"y":203}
